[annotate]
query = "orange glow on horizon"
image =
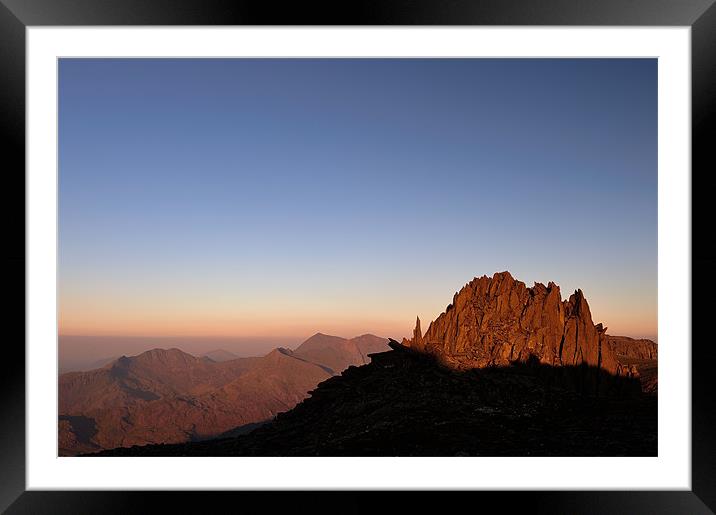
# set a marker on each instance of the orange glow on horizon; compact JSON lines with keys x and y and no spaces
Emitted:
{"x":278,"y":313}
{"x":267,"y":326}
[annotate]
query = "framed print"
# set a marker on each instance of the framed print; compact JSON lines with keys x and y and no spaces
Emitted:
{"x":413,"y":248}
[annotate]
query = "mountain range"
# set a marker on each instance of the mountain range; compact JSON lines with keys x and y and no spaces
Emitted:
{"x":167,"y":395}
{"x":406,"y":403}
{"x":505,"y":370}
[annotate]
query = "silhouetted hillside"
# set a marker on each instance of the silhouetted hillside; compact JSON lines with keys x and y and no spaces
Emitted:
{"x":404,"y":403}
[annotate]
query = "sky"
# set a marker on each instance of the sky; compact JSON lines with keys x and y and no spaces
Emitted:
{"x":270,"y":199}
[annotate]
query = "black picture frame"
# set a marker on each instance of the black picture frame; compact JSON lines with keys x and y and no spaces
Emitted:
{"x":17,"y":15}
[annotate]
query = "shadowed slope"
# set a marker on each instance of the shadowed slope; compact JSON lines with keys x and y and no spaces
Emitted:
{"x":405,"y":404}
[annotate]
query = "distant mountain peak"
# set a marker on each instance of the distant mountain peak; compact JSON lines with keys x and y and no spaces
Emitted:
{"x":320,"y":335}
{"x":167,"y":395}
{"x":158,"y":351}
{"x":367,"y":335}
{"x":165,"y":356}
{"x":278,"y":353}
{"x":219,"y":355}
{"x":338,"y":353}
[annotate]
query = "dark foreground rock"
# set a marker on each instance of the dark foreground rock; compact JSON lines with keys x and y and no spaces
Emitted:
{"x":404,"y":403}
{"x":648,"y":373}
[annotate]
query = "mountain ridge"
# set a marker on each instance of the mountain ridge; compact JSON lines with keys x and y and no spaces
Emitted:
{"x":407,"y":403}
{"x":168,"y":395}
{"x":505,"y":369}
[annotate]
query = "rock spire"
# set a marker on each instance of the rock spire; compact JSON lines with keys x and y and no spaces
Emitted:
{"x":498,"y":320}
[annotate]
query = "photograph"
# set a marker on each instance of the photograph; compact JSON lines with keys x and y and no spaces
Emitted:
{"x":311,"y":258}
{"x":386,"y":257}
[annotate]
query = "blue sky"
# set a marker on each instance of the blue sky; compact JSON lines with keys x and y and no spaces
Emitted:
{"x":280,"y":197}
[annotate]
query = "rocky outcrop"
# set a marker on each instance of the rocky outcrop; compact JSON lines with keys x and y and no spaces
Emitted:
{"x":497,"y":321}
{"x":418,"y":336}
{"x":403,"y":404}
{"x":639,"y":356}
{"x":632,"y":348}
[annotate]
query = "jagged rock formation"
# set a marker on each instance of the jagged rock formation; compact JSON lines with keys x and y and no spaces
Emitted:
{"x":623,"y":346}
{"x":497,"y":321}
{"x":506,"y":370}
{"x":405,"y":404}
{"x":417,"y":341}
